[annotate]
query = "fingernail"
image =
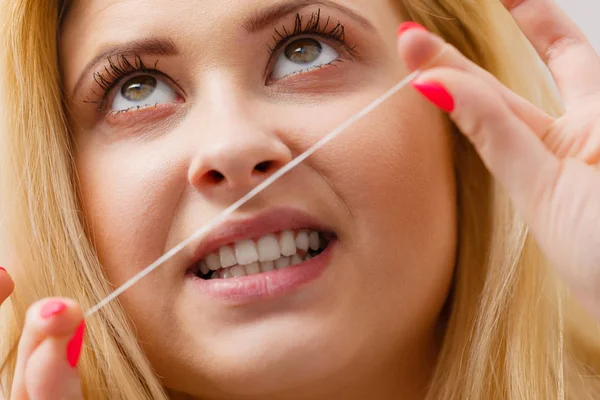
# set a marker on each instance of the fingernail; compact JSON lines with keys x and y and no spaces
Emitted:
{"x":74,"y":346}
{"x":435,"y":93}
{"x":406,"y":26}
{"x":52,"y":308}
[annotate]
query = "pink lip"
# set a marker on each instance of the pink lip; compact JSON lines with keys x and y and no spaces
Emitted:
{"x":267,"y":285}
{"x":271,"y":221}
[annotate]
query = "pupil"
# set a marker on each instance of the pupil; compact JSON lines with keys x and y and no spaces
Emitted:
{"x":139,"y":88}
{"x":303,"y":51}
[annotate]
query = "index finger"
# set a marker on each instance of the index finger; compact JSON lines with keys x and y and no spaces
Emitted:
{"x":52,"y":317}
{"x":560,"y":43}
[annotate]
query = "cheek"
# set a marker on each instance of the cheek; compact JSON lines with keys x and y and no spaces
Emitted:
{"x":395,"y":169}
{"x":129,"y":198}
{"x":403,"y":174}
{"x":395,"y":173}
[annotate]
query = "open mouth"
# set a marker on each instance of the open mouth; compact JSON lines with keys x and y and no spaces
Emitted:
{"x":264,"y":254}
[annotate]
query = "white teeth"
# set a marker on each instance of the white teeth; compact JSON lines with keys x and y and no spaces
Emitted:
{"x":296,"y":259}
{"x":287,"y":243}
{"x":213,"y":262}
{"x":282,"y":262}
{"x":243,"y":257}
{"x":302,"y":241}
{"x":252,"y":269}
{"x":268,"y":248}
{"x":227,"y":257}
{"x":237,"y":271}
{"x":245,"y":252}
{"x":204,"y":268}
{"x":226,"y":274}
{"x":313,"y":240}
{"x":267,"y":266}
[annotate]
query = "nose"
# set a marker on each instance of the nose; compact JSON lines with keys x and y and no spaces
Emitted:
{"x":237,"y":157}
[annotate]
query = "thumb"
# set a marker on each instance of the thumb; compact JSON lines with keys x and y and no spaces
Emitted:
{"x":49,"y":375}
{"x":510,"y":149}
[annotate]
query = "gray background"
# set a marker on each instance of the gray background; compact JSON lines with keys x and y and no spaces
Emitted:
{"x":587,"y":14}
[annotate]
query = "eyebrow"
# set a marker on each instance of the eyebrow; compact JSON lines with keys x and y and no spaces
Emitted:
{"x":257,"y":22}
{"x":149,"y":46}
{"x":270,"y":15}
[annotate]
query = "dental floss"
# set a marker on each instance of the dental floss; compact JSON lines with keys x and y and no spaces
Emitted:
{"x":262,"y":186}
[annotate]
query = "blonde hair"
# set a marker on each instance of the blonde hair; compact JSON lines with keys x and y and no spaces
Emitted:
{"x":512,"y":330}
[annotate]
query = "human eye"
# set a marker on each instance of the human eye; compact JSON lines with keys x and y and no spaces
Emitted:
{"x":314,"y":42}
{"x":302,"y":55}
{"x":142,"y":91}
{"x":130,"y":85}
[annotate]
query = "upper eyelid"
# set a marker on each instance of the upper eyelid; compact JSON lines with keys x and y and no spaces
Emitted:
{"x":148,"y":46}
{"x":312,"y":24}
{"x":119,"y":66}
{"x":275,"y":50}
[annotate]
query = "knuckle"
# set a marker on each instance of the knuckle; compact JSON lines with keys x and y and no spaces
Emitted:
{"x":556,"y":47}
{"x":475,"y":122}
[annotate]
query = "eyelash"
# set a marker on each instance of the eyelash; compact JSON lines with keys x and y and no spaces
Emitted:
{"x":119,"y":67}
{"x":314,"y":27}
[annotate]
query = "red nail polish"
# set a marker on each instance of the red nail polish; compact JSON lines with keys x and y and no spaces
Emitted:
{"x":74,"y":346}
{"x":436,"y":93}
{"x":52,"y":308}
{"x":405,"y":26}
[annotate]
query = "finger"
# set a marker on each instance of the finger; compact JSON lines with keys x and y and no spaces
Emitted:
{"x":423,"y":50}
{"x":561,"y":44}
{"x":6,"y":285}
{"x":54,"y":317}
{"x":6,"y":288}
{"x":48,"y":374}
{"x":512,"y":152}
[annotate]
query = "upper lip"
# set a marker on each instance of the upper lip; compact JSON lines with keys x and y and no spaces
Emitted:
{"x":270,"y":221}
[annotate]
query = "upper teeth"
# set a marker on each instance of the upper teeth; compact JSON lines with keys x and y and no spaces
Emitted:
{"x":266,"y":250}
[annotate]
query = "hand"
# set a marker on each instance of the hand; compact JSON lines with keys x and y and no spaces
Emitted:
{"x":549,"y":167}
{"x":48,"y":349}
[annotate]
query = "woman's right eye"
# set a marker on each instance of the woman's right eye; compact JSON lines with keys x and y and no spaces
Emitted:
{"x":142,"y":91}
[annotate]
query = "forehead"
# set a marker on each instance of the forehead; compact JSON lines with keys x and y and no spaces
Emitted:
{"x":198,"y":26}
{"x":122,"y":18}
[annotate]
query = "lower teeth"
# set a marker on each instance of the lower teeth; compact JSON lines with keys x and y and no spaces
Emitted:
{"x":257,"y":268}
{"x":262,"y":267}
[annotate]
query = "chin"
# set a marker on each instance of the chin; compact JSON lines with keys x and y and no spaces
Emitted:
{"x":279,"y":359}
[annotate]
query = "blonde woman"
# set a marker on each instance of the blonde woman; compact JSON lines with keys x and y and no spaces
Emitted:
{"x":447,"y":252}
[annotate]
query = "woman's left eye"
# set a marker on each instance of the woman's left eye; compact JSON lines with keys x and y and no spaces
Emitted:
{"x":302,"y":55}
{"x":141,"y":91}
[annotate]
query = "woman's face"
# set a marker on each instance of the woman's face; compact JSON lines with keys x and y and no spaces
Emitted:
{"x":180,"y":108}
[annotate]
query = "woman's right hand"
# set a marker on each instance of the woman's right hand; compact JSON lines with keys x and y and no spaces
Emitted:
{"x":48,"y":350}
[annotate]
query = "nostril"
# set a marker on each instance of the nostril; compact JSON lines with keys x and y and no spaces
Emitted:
{"x":215,"y":176}
{"x":263,"y":166}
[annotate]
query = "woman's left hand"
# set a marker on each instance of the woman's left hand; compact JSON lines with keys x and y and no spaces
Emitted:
{"x":549,"y":167}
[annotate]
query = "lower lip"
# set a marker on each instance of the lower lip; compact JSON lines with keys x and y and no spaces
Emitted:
{"x":267,"y":285}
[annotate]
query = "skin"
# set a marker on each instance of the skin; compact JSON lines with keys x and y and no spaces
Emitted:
{"x":152,"y":168}
{"x":549,"y":167}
